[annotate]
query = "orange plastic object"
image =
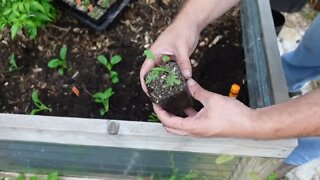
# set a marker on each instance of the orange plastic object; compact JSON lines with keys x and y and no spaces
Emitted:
{"x":234,"y":91}
{"x":76,"y":91}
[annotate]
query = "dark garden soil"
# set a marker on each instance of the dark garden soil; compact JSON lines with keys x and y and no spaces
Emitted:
{"x":218,"y":62}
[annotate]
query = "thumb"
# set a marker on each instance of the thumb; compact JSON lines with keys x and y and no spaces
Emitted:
{"x":198,"y":92}
{"x":183,"y":61}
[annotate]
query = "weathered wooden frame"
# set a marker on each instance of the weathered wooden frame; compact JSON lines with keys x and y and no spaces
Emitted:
{"x":78,"y":146}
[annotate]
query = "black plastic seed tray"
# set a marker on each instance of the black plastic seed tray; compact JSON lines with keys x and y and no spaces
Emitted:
{"x":99,"y":18}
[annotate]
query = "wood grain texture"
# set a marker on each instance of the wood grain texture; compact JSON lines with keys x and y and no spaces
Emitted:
{"x":139,"y":135}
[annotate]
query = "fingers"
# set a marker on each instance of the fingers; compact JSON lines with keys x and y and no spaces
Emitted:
{"x":149,"y":64}
{"x":177,"y":132}
{"x":190,"y":112}
{"x":146,"y":66}
{"x":198,"y":92}
{"x":182,"y":58}
{"x":169,"y":120}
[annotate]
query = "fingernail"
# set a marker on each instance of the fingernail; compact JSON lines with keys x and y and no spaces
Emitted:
{"x":186,"y":74}
{"x":167,"y":52}
{"x":191,"y":82}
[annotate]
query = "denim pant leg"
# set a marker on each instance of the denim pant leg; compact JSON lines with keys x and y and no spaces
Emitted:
{"x":307,"y":150}
{"x":300,"y":66}
{"x":303,"y":64}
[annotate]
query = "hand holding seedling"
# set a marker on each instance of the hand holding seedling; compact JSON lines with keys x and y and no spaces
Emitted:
{"x":178,"y":40}
{"x":220,"y":116}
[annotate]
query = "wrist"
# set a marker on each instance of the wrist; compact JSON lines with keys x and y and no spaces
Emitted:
{"x":189,"y":19}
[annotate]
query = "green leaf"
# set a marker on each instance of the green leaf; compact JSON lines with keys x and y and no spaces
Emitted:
{"x":224,"y":158}
{"x":109,"y":92}
{"x":102,"y":59}
{"x":63,"y":53}
{"x":21,"y":177}
{"x":191,"y":175}
{"x":12,"y":61}
{"x":54,"y":63}
{"x":7,"y":11}
{"x":53,"y":176}
{"x":38,"y":6}
{"x":34,"y":96}
{"x":272,"y":176}
{"x":149,"y":54}
{"x":115,"y":80}
{"x":165,"y":58}
{"x":34,"y":178}
{"x":115,"y":59}
{"x":14,"y":30}
{"x":173,"y":177}
{"x":113,"y":74}
{"x":172,"y":80}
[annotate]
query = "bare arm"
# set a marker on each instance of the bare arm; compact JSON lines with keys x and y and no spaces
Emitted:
{"x":203,"y":12}
{"x":181,"y":37}
{"x":295,"y":118}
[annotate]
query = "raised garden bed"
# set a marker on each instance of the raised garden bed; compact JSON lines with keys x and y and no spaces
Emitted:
{"x":87,"y":146}
{"x":89,"y":76}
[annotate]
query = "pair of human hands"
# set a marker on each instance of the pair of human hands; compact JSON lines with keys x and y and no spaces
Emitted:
{"x":220,"y":115}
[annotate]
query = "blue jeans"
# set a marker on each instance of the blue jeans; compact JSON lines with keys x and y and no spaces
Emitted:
{"x":300,"y":66}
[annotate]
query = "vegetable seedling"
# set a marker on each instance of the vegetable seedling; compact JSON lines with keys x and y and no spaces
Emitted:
{"x":103,"y":98}
{"x":166,"y":85}
{"x":109,"y":65}
{"x":171,"y":76}
{"x":153,"y":118}
{"x":61,"y":63}
{"x":12,"y":61}
{"x":40,"y":106}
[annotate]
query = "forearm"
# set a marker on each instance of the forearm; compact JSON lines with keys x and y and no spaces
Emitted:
{"x":201,"y":13}
{"x":295,"y":118}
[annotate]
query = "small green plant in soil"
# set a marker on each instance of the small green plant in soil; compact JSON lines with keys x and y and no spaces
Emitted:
{"x":104,"y":3}
{"x":26,"y":15}
{"x":109,"y":65}
{"x":96,"y":13}
{"x":103,"y":98}
{"x":40,"y":106}
{"x":171,"y":76}
{"x":12,"y":62}
{"x":153,"y":118}
{"x":61,"y":63}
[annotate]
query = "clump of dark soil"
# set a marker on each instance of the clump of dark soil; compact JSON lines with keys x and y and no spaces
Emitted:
{"x":130,"y":34}
{"x":173,"y":98}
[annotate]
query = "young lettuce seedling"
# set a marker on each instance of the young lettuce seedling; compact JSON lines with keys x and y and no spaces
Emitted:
{"x":103,"y":98}
{"x":40,"y":106}
{"x":109,"y":65}
{"x":61,"y":63}
{"x":12,"y":61}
